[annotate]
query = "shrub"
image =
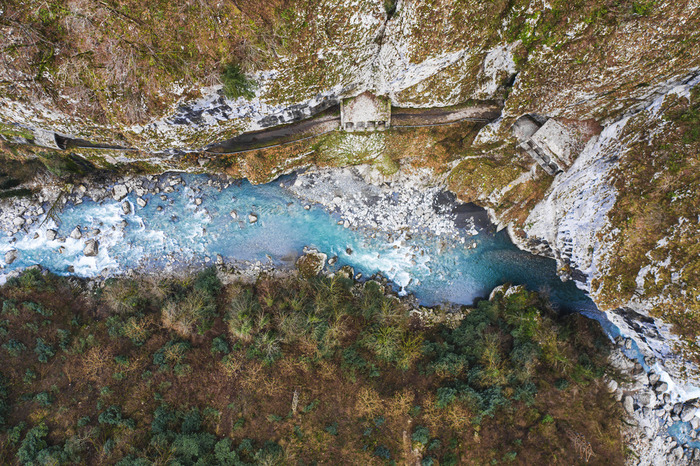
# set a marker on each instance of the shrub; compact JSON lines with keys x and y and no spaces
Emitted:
{"x":44,"y":399}
{"x":32,"y":444}
{"x":236,"y":84}
{"x":43,"y":350}
{"x":421,"y":436}
{"x":113,"y":416}
{"x":38,"y":308}
{"x":220,"y":345}
{"x":382,"y":452}
{"x":14,"y":347}
{"x":4,"y":403}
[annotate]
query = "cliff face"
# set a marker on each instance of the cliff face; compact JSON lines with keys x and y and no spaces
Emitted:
{"x":148,"y":77}
{"x":621,"y":220}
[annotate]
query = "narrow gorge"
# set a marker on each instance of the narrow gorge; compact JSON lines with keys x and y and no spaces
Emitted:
{"x":521,"y":175}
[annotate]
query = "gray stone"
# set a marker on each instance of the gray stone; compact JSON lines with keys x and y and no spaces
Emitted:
{"x":696,"y":454}
{"x":332,"y":261}
{"x":628,"y":404}
{"x":653,"y":378}
{"x":141,"y":202}
{"x":119,"y":192}
{"x":168,"y":190}
{"x":198,"y":201}
{"x":11,"y":256}
{"x":219,"y":259}
{"x":612,"y":385}
{"x":233,"y":214}
{"x":76,"y":234}
{"x":51,"y":234}
{"x":19,"y":221}
{"x":252,"y":218}
{"x":695,"y":423}
{"x":91,"y":248}
{"x":661,"y":388}
{"x":677,"y":408}
{"x":126,"y":207}
{"x":678,"y":453}
{"x":647,"y":398}
{"x":628,"y":343}
{"x":688,"y":413}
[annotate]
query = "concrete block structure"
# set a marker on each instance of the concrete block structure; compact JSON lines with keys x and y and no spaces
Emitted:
{"x":366,"y":112}
{"x":552,"y":145}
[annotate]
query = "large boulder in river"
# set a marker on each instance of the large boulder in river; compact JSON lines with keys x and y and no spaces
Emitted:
{"x":91,"y":248}
{"x":311,"y":263}
{"x":11,"y":256}
{"x":76,"y":233}
{"x":119,"y":192}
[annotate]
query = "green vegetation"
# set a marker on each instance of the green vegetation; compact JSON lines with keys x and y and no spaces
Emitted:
{"x":299,"y":370}
{"x":236,"y":84}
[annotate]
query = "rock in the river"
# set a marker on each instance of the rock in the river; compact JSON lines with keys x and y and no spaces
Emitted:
{"x":252,"y":218}
{"x":141,"y":202}
{"x":688,"y":413}
{"x":346,"y":272}
{"x":126,"y":207}
{"x":51,"y":234}
{"x":91,"y":248}
{"x":219,"y":259}
{"x":198,"y":201}
{"x":311,"y":263}
{"x":11,"y":256}
{"x":76,"y":234}
{"x":332,"y":260}
{"x":119,"y":192}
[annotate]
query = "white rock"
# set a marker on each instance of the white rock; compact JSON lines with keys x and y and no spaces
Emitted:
{"x":688,"y":414}
{"x":198,"y":201}
{"x":234,"y":214}
{"x":91,"y":248}
{"x":19,"y":221}
{"x":252,"y":218}
{"x":612,"y":385}
{"x":51,"y":234}
{"x":11,"y":256}
{"x":141,"y":202}
{"x":126,"y":207}
{"x":76,"y":234}
{"x":628,"y":404}
{"x":119,"y":192}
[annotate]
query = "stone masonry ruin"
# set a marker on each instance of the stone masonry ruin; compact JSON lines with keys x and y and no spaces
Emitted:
{"x":551,"y":143}
{"x":366,"y":112}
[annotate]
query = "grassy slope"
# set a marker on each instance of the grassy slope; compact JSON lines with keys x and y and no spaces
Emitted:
{"x":170,"y":370}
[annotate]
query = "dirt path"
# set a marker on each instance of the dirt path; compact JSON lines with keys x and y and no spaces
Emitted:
{"x":329,"y":120}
